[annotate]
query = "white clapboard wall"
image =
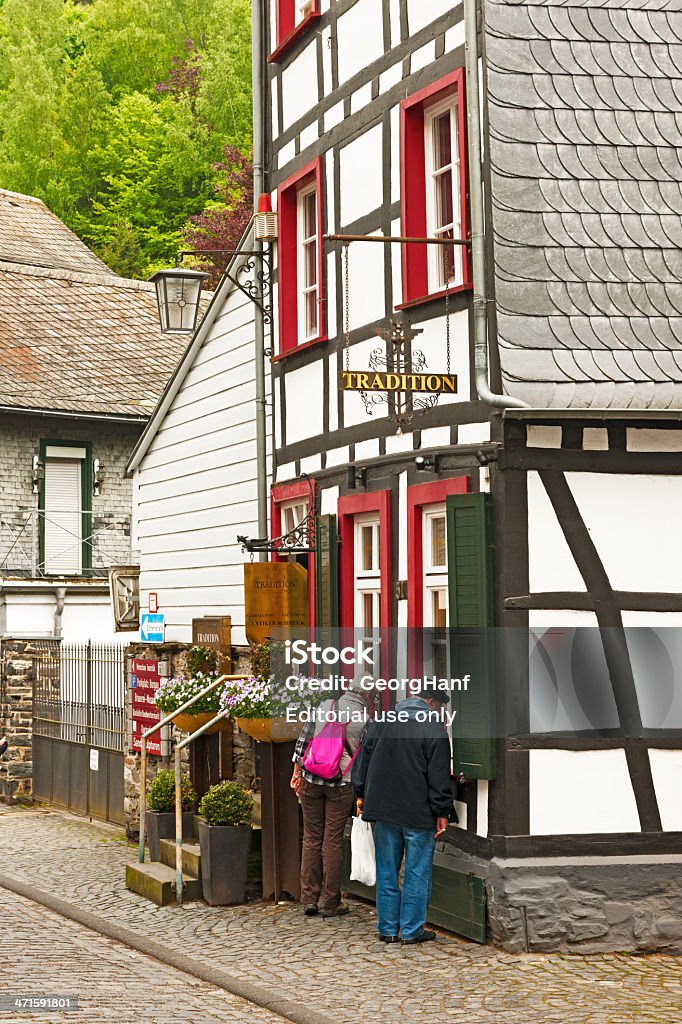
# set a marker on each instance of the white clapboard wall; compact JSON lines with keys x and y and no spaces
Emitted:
{"x":196,"y":484}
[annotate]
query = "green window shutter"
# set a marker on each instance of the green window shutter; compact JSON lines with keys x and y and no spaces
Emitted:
{"x":327,"y":573}
{"x":470,"y":576}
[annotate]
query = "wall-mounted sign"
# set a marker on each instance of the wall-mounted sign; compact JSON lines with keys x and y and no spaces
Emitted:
{"x":423,"y":383}
{"x":152,"y":628}
{"x":153,"y":601}
{"x":215,"y":632}
{"x":275,"y":599}
{"x":124,"y":588}
{"x":145,"y":677}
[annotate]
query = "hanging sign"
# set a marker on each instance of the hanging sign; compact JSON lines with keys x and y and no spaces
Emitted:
{"x":373,"y":380}
{"x":275,"y":599}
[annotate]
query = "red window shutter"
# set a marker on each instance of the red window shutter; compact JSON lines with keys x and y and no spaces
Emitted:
{"x":285,"y":19}
{"x":287,"y":266}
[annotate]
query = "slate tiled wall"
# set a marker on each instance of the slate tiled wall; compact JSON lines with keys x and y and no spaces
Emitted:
{"x":112,"y":444}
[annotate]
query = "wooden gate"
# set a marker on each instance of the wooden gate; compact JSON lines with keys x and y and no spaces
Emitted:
{"x":79,"y":728}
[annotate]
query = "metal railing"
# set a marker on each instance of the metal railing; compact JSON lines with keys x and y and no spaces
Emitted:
{"x":79,"y":694}
{"x":105,"y":534}
{"x":179,"y":747}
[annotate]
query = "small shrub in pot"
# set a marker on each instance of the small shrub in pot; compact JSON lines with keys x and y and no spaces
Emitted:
{"x":225,"y":842}
{"x":160,"y":817}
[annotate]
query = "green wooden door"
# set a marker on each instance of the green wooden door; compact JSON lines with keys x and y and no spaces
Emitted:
{"x":470,"y":579}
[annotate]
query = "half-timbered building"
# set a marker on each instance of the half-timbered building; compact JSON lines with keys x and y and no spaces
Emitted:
{"x":519,"y":485}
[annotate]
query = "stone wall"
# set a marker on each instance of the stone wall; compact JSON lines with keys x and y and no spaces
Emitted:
{"x":112,"y":444}
{"x":16,"y":715}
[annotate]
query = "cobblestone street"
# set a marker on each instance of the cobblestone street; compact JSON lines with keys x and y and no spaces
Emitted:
{"x":337,"y":968}
{"x":55,"y":957}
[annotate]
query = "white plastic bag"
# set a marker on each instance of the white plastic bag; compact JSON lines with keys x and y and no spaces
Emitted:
{"x":363,"y":867}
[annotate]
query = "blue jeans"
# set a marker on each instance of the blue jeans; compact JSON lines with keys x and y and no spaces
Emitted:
{"x":403,"y":912}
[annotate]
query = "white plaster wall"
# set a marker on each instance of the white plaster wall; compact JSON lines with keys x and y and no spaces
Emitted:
{"x":581,"y":792}
{"x":394,"y":12}
{"x":641,"y":440}
{"x":551,"y":565}
{"x":85,"y":617}
{"x":422,"y":12}
{"x":360,"y":38}
{"x":361,"y":178}
{"x":473,"y":433}
{"x":304,"y":396}
{"x":299,"y":86}
{"x":666,"y":768}
{"x":595,"y":439}
{"x":366,"y":287}
{"x":634,"y":523}
{"x":543,"y":437}
{"x":432,"y":342}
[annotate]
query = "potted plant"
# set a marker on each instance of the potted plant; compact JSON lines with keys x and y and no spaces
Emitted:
{"x":160,"y":815}
{"x":225,"y":842}
{"x":263,"y":706}
{"x":172,"y":693}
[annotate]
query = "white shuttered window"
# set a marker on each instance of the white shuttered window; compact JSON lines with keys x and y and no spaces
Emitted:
{"x":63,"y":517}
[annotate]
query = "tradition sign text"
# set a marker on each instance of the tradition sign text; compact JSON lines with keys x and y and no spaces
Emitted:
{"x":374,"y":380}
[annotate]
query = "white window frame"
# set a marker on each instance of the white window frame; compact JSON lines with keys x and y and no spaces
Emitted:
{"x":367,"y":581}
{"x":434,"y":580}
{"x":302,"y":10}
{"x":436,"y":276}
{"x":303,"y":242}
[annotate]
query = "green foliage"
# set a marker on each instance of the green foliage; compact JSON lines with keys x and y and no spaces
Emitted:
{"x":115,"y":113}
{"x":226,"y":803}
{"x":162,"y":793}
{"x":202,"y":659}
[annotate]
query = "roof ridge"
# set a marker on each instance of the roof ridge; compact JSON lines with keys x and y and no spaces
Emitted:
{"x":77,"y":276}
{"x":22,"y":195}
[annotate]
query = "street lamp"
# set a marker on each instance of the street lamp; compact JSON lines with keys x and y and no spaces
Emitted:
{"x":177,"y":295}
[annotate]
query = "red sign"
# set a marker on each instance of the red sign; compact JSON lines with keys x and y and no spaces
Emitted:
{"x":144,"y":684}
{"x":153,"y":602}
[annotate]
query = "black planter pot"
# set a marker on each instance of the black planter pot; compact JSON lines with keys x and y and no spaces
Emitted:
{"x":160,"y":825}
{"x":224,"y":862}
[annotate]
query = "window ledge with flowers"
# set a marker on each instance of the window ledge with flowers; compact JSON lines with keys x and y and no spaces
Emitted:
{"x":202,"y":669}
{"x":262,"y":705}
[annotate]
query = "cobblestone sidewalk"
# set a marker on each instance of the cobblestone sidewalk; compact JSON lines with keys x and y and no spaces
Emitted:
{"x":337,"y":966}
{"x":114,"y":985}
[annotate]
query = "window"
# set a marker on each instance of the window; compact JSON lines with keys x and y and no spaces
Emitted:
{"x":307,"y":263}
{"x":434,"y":187}
{"x":289,"y":505}
{"x":293,"y":17}
{"x":443,"y":211}
{"x":435,"y":592}
{"x":65,"y":542}
{"x":300,"y":259}
{"x":367,"y":582}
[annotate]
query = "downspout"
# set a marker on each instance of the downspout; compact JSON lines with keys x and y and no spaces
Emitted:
{"x":259,"y":324}
{"x":480,"y":301}
{"x":60,"y":597}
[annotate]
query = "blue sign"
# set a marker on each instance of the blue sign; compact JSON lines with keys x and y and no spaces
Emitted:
{"x":152,"y":627}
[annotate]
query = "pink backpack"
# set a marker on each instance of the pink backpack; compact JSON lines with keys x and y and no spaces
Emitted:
{"x":324,"y":753}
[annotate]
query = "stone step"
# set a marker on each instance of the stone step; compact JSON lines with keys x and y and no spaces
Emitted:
{"x":156,"y":882}
{"x":191,"y":856}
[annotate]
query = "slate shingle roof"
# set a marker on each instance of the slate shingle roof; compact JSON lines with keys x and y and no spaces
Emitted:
{"x":73,"y":335}
{"x":32,"y":234}
{"x":585,"y":107}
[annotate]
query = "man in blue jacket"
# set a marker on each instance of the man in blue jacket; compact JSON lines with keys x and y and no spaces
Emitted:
{"x":402,"y":779}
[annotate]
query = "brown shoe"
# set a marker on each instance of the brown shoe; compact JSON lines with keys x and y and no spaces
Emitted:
{"x":335,"y":911}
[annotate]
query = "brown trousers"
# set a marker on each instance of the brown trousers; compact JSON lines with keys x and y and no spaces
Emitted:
{"x":325,"y":813}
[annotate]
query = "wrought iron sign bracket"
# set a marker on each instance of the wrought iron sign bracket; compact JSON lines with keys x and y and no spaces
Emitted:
{"x":250,"y":286}
{"x":298,"y":541}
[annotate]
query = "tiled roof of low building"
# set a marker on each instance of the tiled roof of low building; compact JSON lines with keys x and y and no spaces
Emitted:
{"x":73,"y":335}
{"x":586,"y":161}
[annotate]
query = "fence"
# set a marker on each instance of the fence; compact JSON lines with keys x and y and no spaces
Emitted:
{"x":37,"y":543}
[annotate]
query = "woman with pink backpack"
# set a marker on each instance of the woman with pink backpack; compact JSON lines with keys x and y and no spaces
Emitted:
{"x":323,"y":757}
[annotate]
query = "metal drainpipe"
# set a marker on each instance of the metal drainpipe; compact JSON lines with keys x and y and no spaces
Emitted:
{"x":259,"y":325}
{"x":60,"y":597}
{"x":477,"y":217}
